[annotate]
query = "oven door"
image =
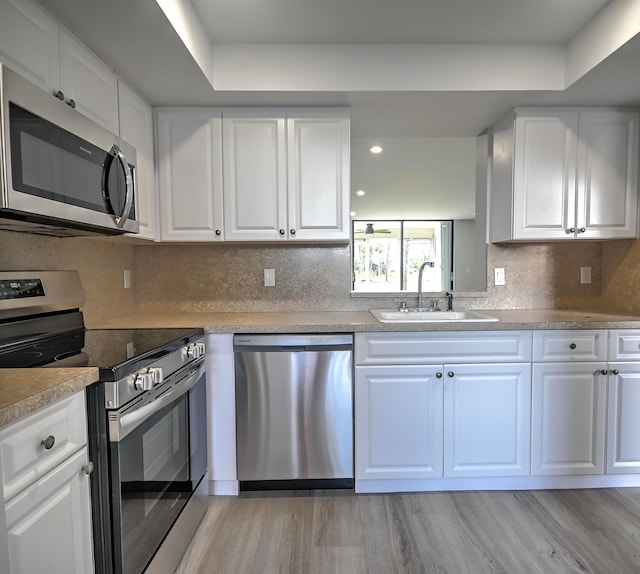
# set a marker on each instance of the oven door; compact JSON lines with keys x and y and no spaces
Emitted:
{"x":158,"y":457}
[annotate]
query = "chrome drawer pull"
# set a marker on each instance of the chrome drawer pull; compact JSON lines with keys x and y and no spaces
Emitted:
{"x":573,"y":346}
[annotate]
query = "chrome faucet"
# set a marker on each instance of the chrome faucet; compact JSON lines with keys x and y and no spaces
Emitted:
{"x":420,"y":272}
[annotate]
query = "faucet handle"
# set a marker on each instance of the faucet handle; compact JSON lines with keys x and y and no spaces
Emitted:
{"x":403,"y":306}
{"x":436,"y":304}
{"x":449,"y":297}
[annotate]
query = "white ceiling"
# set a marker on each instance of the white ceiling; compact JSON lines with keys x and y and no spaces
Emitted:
{"x":395,"y":22}
{"x":137,"y":39}
{"x":406,"y":68}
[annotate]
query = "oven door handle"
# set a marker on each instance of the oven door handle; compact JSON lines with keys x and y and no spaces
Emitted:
{"x":127,"y":421}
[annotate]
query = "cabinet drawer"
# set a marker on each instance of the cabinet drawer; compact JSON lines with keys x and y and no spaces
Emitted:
{"x":23,"y":457}
{"x":624,"y":345}
{"x":550,"y":346}
{"x":451,"y":347}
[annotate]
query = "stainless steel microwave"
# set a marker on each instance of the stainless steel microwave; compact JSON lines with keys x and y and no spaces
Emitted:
{"x":61,"y":173}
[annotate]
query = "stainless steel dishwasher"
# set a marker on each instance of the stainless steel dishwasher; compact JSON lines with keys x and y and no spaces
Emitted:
{"x":294,"y":411}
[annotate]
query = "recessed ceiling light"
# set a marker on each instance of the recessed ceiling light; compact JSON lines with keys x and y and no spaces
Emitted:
{"x":360,"y":192}
{"x":376,"y":149}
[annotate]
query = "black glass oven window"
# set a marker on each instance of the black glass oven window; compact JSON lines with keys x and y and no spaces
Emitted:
{"x":151,"y":465}
{"x":50,"y":162}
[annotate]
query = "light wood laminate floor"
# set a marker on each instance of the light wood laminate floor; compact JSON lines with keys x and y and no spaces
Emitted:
{"x":595,"y":531}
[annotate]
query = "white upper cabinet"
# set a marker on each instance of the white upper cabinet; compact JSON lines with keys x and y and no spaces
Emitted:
{"x":607,"y":183}
{"x":564,"y":174}
{"x":34,"y":45}
{"x":318,"y":175}
{"x":189,"y":146}
{"x":29,"y":42}
{"x":87,"y":83}
{"x":255,"y":175}
{"x":286,"y":175}
{"x":136,"y":128}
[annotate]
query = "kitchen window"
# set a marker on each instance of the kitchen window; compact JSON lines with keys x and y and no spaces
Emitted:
{"x":387,"y":255}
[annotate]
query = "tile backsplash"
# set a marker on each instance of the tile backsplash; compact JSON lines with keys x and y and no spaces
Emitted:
{"x":223,"y":277}
{"x":99,"y":262}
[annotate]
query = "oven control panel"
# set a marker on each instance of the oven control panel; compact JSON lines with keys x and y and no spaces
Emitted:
{"x":20,"y":288}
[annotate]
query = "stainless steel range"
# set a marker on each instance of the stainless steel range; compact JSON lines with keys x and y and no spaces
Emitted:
{"x":147,"y":417}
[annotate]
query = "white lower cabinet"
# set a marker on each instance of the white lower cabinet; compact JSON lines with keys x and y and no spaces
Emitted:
{"x":497,"y":410}
{"x":486,"y":420}
{"x":399,"y":416}
{"x":47,"y":505}
{"x":623,"y":425}
{"x":441,"y":420}
{"x":49,"y":523}
{"x":568,"y":418}
{"x":623,"y":422}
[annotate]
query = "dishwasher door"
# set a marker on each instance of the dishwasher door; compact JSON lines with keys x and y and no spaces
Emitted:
{"x":294,"y":411}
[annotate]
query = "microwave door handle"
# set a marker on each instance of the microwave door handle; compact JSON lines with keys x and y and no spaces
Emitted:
{"x":121,"y":219}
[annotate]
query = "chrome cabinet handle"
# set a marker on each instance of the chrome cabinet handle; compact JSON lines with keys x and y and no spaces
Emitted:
{"x":87,"y":468}
{"x":281,"y":232}
{"x":218,"y":232}
{"x":451,"y":374}
{"x":582,"y":230}
{"x":48,"y":442}
{"x":615,"y":372}
{"x":570,"y":230}
{"x":439,"y":375}
{"x":71,"y":103}
{"x":292,"y":231}
{"x":573,"y":346}
{"x":59,"y":95}
{"x":604,"y":372}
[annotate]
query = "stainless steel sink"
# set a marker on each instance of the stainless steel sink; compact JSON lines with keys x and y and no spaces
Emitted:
{"x":396,"y":316}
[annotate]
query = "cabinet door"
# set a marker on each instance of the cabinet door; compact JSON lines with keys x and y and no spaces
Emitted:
{"x":568,"y":418}
{"x":607,"y":175}
{"x":136,"y":128}
{"x":255,"y":186}
{"x":398,"y":422}
{"x":190,"y":175}
{"x":623,"y":427}
{"x":29,"y":42}
{"x":318,"y":177}
{"x":88,"y":82}
{"x":544,"y":175}
{"x":487,"y":411}
{"x":49,"y":524}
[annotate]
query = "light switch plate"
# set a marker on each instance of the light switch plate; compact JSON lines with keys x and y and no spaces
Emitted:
{"x":585,"y":275}
{"x":499,"y":278}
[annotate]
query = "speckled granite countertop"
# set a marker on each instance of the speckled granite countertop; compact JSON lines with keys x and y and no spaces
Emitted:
{"x":363,"y":321}
{"x":23,"y":391}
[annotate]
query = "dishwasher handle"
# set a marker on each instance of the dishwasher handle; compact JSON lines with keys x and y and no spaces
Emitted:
{"x":292,"y":343}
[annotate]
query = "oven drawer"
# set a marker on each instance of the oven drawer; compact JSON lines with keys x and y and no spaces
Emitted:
{"x":27,"y":451}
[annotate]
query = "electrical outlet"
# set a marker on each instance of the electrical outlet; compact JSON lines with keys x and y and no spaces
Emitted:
{"x":127,"y":279}
{"x":499,"y":277}
{"x":269,"y":277}
{"x":585,"y":275}
{"x":131,"y":350}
